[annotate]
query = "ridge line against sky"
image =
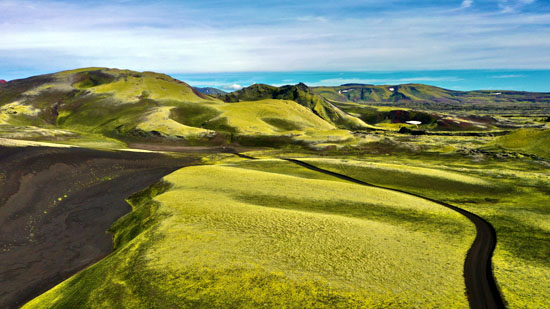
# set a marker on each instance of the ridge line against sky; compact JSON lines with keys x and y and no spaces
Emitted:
{"x":464,"y":80}
{"x":241,"y":36}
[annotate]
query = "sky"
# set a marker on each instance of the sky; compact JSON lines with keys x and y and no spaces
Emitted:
{"x":213,"y":36}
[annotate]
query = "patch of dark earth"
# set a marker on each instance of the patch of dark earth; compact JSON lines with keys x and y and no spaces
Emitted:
{"x":55,"y":207}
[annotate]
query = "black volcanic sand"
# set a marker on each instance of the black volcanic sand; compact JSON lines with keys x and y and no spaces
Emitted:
{"x":55,"y":207}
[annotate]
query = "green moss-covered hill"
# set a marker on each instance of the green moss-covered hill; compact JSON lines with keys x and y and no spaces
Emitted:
{"x":126,"y":105}
{"x":435,"y":98}
{"x":301,"y":94}
{"x":100,"y":106}
{"x":530,"y":141}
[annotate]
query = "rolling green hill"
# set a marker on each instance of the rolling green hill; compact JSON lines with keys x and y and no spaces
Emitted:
{"x":531,"y":141}
{"x":110,"y":107}
{"x":100,"y":103}
{"x":276,"y":235}
{"x":304,"y":96}
{"x":433,"y":98}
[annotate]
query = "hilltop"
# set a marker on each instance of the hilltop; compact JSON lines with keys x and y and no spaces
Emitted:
{"x":127,"y":106}
{"x":302,"y":95}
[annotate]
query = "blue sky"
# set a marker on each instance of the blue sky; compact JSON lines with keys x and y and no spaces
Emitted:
{"x":249,"y":36}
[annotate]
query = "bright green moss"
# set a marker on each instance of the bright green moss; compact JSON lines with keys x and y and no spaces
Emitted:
{"x":230,"y":237}
{"x":512,"y":196}
{"x":529,"y":140}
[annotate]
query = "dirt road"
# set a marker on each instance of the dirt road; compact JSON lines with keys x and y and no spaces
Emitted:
{"x":55,"y":207}
{"x":480,"y":283}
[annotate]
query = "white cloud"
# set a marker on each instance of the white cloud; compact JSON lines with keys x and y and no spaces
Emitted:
{"x":54,"y":36}
{"x":233,"y":87}
{"x":466,"y":4}
{"x":512,"y":6}
{"x":507,"y":9}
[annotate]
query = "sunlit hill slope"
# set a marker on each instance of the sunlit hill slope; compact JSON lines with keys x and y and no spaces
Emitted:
{"x":127,"y":105}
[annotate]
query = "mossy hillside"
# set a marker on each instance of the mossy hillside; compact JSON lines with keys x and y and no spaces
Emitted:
{"x":272,"y":123}
{"x":415,"y":179}
{"x":532,"y":141}
{"x":383,"y":93}
{"x":420,"y":92}
{"x":520,"y":213}
{"x":131,"y":87}
{"x":12,"y":112}
{"x":143,"y":216}
{"x":194,"y":115}
{"x":128,"y":105}
{"x":302,"y":95}
{"x":159,"y":120}
{"x":211,"y":248}
{"x":100,"y":100}
{"x":430,"y":98}
{"x":269,"y":117}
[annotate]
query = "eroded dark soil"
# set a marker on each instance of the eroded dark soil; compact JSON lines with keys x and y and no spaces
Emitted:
{"x":55,"y":207}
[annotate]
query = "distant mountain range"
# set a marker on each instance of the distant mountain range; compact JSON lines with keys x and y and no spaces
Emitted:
{"x":127,"y":105}
{"x":210,"y":90}
{"x":427,"y":97}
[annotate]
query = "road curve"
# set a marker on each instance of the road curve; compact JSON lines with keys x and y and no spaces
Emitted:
{"x":481,"y":287}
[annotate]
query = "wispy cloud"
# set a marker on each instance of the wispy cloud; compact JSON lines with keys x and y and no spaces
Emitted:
{"x":388,"y":81}
{"x":466,"y":4}
{"x":512,"y":6}
{"x":508,"y":76}
{"x":191,"y":36}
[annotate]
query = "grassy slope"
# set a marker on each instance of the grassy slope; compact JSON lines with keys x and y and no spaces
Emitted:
{"x":509,"y":195}
{"x":302,"y":95}
{"x":362,"y":102}
{"x":122,"y":104}
{"x":271,"y":117}
{"x":530,"y":141}
{"x":268,"y":239}
{"x":420,"y":92}
{"x":430,"y":98}
{"x":154,"y":86}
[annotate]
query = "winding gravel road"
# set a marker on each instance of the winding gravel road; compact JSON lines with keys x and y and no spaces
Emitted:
{"x":480,"y":283}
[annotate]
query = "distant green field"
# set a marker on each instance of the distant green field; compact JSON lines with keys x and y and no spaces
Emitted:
{"x":266,"y":233}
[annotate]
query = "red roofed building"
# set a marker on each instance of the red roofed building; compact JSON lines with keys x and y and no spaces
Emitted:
{"x":2,"y":81}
